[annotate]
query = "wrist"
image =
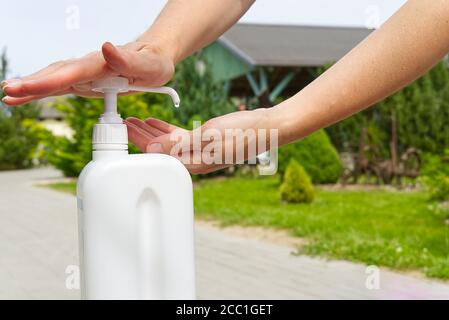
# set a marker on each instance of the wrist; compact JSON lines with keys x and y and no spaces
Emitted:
{"x":275,"y":121}
{"x":286,"y":119}
{"x":161,"y":45}
{"x":266,"y":121}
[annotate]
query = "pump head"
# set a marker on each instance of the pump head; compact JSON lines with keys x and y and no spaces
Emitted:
{"x":110,"y":132}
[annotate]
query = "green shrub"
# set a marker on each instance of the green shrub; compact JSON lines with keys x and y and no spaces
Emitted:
{"x":18,"y":143}
{"x":296,"y":186}
{"x":435,"y":175}
{"x":421,"y":112}
{"x":316,"y":154}
{"x":81,"y":114}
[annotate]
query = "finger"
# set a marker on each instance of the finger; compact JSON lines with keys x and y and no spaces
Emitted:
{"x":85,"y":94}
{"x":44,"y":71}
{"x":165,"y":144}
{"x":13,"y":87}
{"x":88,"y":68}
{"x":198,"y":168}
{"x":115,"y":58}
{"x":94,"y":94}
{"x":203,"y":168}
{"x":160,"y":125}
{"x":181,"y":139}
{"x":140,"y":65}
{"x":142,"y":125}
{"x":13,"y":101}
{"x":172,"y":144}
{"x":140,"y":138}
{"x":16,"y":101}
{"x":16,"y":82}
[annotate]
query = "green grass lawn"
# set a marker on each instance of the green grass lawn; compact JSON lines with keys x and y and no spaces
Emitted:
{"x":64,"y":186}
{"x":401,"y":230}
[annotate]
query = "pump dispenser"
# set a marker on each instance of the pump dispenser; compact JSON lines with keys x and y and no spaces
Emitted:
{"x":110,"y":132}
{"x":135,"y":213}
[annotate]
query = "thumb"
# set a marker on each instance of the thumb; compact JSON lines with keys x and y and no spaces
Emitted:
{"x":117,"y":58}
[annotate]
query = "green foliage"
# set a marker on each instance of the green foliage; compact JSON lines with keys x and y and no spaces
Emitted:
{"x":81,"y":114}
{"x":316,"y":154}
{"x":394,"y":229}
{"x":18,"y":142}
{"x":296,"y":186}
{"x":201,"y":96}
{"x":435,"y":175}
{"x":422,"y":113}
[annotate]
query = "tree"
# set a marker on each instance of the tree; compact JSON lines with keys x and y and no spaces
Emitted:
{"x":415,"y":117}
{"x":201,"y":96}
{"x":316,"y":154}
{"x":296,"y":186}
{"x":18,"y":141}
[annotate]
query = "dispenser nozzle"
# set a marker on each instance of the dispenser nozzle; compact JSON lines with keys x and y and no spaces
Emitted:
{"x":111,"y":87}
{"x":165,"y":90}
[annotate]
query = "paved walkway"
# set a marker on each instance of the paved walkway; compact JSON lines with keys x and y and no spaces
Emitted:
{"x":38,"y":240}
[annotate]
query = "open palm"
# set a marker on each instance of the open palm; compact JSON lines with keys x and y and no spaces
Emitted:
{"x":203,"y":149}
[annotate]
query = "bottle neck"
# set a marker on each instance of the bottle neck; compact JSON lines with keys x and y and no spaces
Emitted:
{"x":109,"y":140}
{"x":104,"y":153}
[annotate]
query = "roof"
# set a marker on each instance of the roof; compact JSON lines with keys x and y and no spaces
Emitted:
{"x":289,"y":45}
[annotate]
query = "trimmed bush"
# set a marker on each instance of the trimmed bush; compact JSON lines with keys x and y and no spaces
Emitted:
{"x":296,"y":187}
{"x":316,"y":154}
{"x":435,"y":175}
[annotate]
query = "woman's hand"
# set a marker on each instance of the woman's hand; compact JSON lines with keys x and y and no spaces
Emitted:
{"x":144,"y":63}
{"x":217,"y":144}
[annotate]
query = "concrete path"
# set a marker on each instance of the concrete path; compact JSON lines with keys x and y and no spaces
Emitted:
{"x":38,"y":240}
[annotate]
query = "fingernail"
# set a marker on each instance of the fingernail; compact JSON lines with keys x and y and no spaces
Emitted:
{"x":155,"y":148}
{"x":11,"y":83}
{"x":4,"y":100}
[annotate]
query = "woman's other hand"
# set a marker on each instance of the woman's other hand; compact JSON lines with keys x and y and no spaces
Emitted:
{"x":217,"y":144}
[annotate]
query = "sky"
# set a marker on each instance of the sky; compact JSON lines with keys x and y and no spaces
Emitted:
{"x":37,"y":33}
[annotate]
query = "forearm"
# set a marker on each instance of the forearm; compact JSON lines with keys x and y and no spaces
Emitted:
{"x":184,"y":26}
{"x":403,"y":49}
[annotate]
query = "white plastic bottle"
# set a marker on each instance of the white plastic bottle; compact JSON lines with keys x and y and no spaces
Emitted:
{"x":135,"y":214}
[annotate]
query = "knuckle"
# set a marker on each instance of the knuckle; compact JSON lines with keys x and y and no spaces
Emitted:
{"x":56,"y":64}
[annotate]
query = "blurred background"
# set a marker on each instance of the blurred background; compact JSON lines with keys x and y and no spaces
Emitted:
{"x":356,"y":210}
